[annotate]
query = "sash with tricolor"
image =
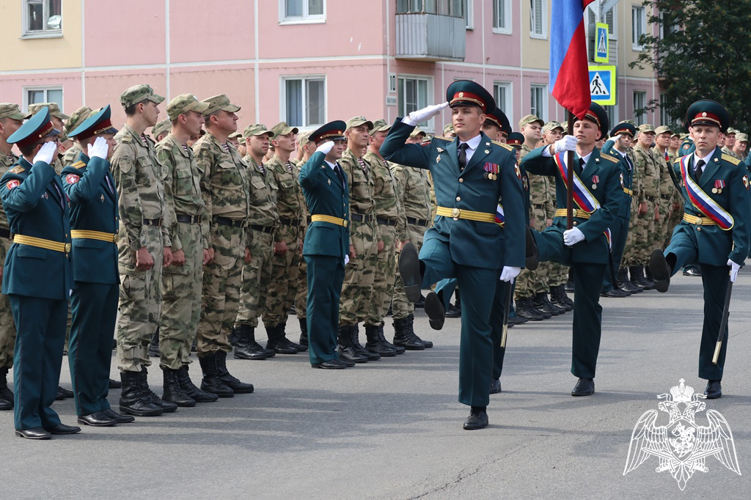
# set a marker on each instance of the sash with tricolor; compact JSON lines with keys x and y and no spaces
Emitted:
{"x":585,"y":200}
{"x":500,"y":217}
{"x":702,"y":201}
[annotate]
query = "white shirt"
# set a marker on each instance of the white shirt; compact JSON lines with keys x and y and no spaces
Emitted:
{"x":332,"y":166}
{"x":586,"y":160}
{"x":706,"y":159}
{"x":472,"y":145}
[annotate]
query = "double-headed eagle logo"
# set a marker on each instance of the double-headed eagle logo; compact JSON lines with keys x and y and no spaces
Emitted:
{"x":682,"y":446}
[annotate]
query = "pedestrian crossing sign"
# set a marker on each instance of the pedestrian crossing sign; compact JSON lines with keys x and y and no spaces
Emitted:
{"x":602,"y":85}
{"x":601,"y":43}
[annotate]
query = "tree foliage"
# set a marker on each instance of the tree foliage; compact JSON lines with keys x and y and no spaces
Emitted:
{"x":702,"y":50}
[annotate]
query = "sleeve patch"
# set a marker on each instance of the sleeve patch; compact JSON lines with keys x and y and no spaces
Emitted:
{"x":12,"y":184}
{"x":72,"y":178}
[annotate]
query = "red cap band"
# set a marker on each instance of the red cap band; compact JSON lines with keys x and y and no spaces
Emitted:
{"x":467,"y":97}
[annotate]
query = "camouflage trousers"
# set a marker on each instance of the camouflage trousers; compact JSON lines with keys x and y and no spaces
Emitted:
{"x":256,"y":278}
{"x":662,"y":225}
{"x":383,"y":281}
{"x":558,"y":274}
{"x":529,"y":283}
{"x":282,"y":289}
{"x":181,"y":300}
{"x":643,"y":237}
{"x":140,"y":304}
{"x":359,"y":275}
{"x":628,"y":249}
{"x":400,"y":306}
{"x":221,"y":290}
{"x":301,"y":298}
{"x":7,"y":326}
{"x":676,"y":216}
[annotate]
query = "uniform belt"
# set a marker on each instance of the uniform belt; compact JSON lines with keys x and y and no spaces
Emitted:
{"x":628,"y":191}
{"x":666,"y":196}
{"x":32,"y":241}
{"x":4,"y":233}
{"x":329,"y":219}
{"x":188,"y":219}
{"x":153,"y":222}
{"x":562,"y":212}
{"x":226,"y":221}
{"x":418,"y":222}
{"x":699,"y":221}
{"x":263,"y":229}
{"x":458,"y":213}
{"x":289,"y":222}
{"x":85,"y":234}
{"x":651,"y":199}
{"x":361,"y":218}
{"x":539,"y":206}
{"x":386,"y":222}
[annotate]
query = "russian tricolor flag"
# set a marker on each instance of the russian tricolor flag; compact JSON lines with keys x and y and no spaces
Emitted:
{"x":569,"y":72}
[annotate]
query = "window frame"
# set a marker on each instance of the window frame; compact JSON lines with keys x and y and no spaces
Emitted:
{"x":46,"y":89}
{"x":508,"y":102}
{"x":639,"y":118}
{"x":509,"y":28}
{"x":469,"y":14}
{"x":635,"y":9}
{"x":544,"y":91}
{"x":430,"y":124}
{"x":283,"y":98}
{"x":306,"y":18}
{"x":27,"y":33}
{"x":544,"y":34}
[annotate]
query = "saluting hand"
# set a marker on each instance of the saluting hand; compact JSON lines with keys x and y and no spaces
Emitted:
{"x":424,"y":114}
{"x":98,"y":149}
{"x":46,"y":153}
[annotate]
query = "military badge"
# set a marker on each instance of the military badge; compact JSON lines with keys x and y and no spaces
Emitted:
{"x":745,"y":181}
{"x":15,"y":183}
{"x":622,"y":184}
{"x":102,"y":198}
{"x":718,"y":186}
{"x":438,"y":159}
{"x":491,"y":171}
{"x":525,"y":183}
{"x":518,"y":172}
{"x":440,"y":150}
{"x":72,"y":178}
{"x":46,"y":195}
{"x":596,"y":181}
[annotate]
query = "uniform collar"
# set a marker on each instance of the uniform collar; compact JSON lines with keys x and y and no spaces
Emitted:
{"x":474,"y":142}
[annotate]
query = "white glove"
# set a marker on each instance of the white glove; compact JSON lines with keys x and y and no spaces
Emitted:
{"x":47,"y":153}
{"x":568,"y":143}
{"x":734,"y":268}
{"x":346,"y":260}
{"x":572,"y":237}
{"x":510,"y":273}
{"x":424,"y":114}
{"x":326,"y":147}
{"x":98,"y":149}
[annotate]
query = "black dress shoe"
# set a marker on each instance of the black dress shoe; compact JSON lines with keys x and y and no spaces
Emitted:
{"x":5,"y":405}
{"x":691,"y":271}
{"x":477,"y":420}
{"x":35,"y":433}
{"x":117,"y":417}
{"x":660,"y":270}
{"x":615,"y":293}
{"x":64,"y":429}
{"x":434,"y":310}
{"x":409,"y":269}
{"x":334,"y":364}
{"x":115,"y":384}
{"x":584,"y":387}
{"x":495,"y":386}
{"x":97,"y":419}
{"x":453,"y":312}
{"x":714,"y":389}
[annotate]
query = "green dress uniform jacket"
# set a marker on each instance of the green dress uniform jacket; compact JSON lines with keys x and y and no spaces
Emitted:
{"x":619,"y":229}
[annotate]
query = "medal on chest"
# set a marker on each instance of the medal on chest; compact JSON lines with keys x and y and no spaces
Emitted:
{"x":719,"y":185}
{"x":596,"y":181}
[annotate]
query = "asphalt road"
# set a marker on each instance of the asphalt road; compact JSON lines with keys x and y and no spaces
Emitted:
{"x":393,"y":428}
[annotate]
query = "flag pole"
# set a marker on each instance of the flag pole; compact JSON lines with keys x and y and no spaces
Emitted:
{"x":570,"y":175}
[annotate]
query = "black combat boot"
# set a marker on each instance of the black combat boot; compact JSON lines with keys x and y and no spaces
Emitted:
{"x":234,"y":336}
{"x":648,"y":276}
{"x":211,"y":381}
{"x":558,"y":297}
{"x":542,"y":303}
{"x":346,"y":350}
{"x":133,"y":399}
{"x":569,"y":286}
{"x":640,"y":281}
{"x":411,"y":327}
{"x":287,"y":341}
{"x":154,"y":345}
{"x":225,"y":376}
{"x":183,"y":378}
{"x":359,"y":349}
{"x":173,"y":393}
{"x":402,"y":338}
{"x":247,"y":347}
{"x":455,"y":310}
{"x":167,"y":406}
{"x":374,"y":343}
{"x":6,"y":395}
{"x":303,"y":333}
{"x":398,"y":349}
{"x":625,"y":284}
{"x":277,"y":342}
{"x":525,"y":309}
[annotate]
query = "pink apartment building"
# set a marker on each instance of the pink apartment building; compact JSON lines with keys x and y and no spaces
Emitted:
{"x":303,"y":61}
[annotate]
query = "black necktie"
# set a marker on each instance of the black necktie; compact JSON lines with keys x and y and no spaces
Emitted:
{"x":463,"y":156}
{"x":581,"y":166}
{"x":339,"y":173}
{"x":698,"y":169}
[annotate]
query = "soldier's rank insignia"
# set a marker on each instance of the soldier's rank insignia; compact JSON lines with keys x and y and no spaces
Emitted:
{"x":102,"y":198}
{"x":518,"y":172}
{"x":440,"y":150}
{"x":438,"y":159}
{"x":622,"y":185}
{"x":329,"y":182}
{"x":745,"y":181}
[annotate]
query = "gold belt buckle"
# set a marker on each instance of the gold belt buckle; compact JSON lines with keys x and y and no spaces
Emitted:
{"x":67,"y":248}
{"x":345,"y":223}
{"x":455,"y":212}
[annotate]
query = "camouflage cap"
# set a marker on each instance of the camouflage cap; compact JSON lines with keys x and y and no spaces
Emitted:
{"x":303,"y":138}
{"x":160,"y":128}
{"x":448,"y":128}
{"x":52,"y":106}
{"x":257,"y":129}
{"x":183,"y":104}
{"x":662,"y":129}
{"x":77,"y":118}
{"x":219,"y":103}
{"x":417,"y":131}
{"x":646,"y":129}
{"x":530,"y":119}
{"x":356,"y":121}
{"x":381,"y":126}
{"x":741,"y":137}
{"x":551,"y":125}
{"x":139,"y":93}
{"x":235,"y":135}
{"x":10,"y":110}
{"x":731,"y":130}
{"x":282,"y":128}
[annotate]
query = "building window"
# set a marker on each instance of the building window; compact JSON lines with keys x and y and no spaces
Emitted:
{"x":538,"y":13}
{"x":503,"y":98}
{"x":539,"y":101}
{"x":414,"y":94}
{"x":610,"y":20}
{"x":304,"y":101}
{"x":502,"y":16}
{"x":469,"y":13}
{"x":302,"y":10}
{"x":638,"y":26}
{"x":612,"y":112}
{"x":36,"y":95}
{"x":453,"y":8}
{"x":640,"y":102}
{"x":42,"y":17}
{"x":665,"y":118}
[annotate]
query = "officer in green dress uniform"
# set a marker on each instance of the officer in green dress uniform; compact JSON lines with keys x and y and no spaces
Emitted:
{"x":714,"y":232}
{"x":471,"y":173}
{"x":585,"y":247}
{"x":37,"y":275}
{"x":94,"y":222}
{"x":326,"y":247}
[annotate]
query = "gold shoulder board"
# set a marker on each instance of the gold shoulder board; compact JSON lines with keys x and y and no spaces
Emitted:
{"x":78,"y":164}
{"x":608,"y":157}
{"x":503,"y":145}
{"x":734,"y":161}
{"x":17,"y":169}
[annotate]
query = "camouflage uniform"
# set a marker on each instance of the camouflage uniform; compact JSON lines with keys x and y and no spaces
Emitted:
{"x":181,"y":285}
{"x":224,"y":186}
{"x":730,"y":152}
{"x":264,"y":220}
{"x":666,"y":201}
{"x":413,"y":188}
{"x":645,"y":236}
{"x":391,"y":226}
{"x":144,"y":223}
{"x":630,"y":257}
{"x":676,"y":216}
{"x":359,"y":275}
{"x":558,"y":273}
{"x":7,"y":326}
